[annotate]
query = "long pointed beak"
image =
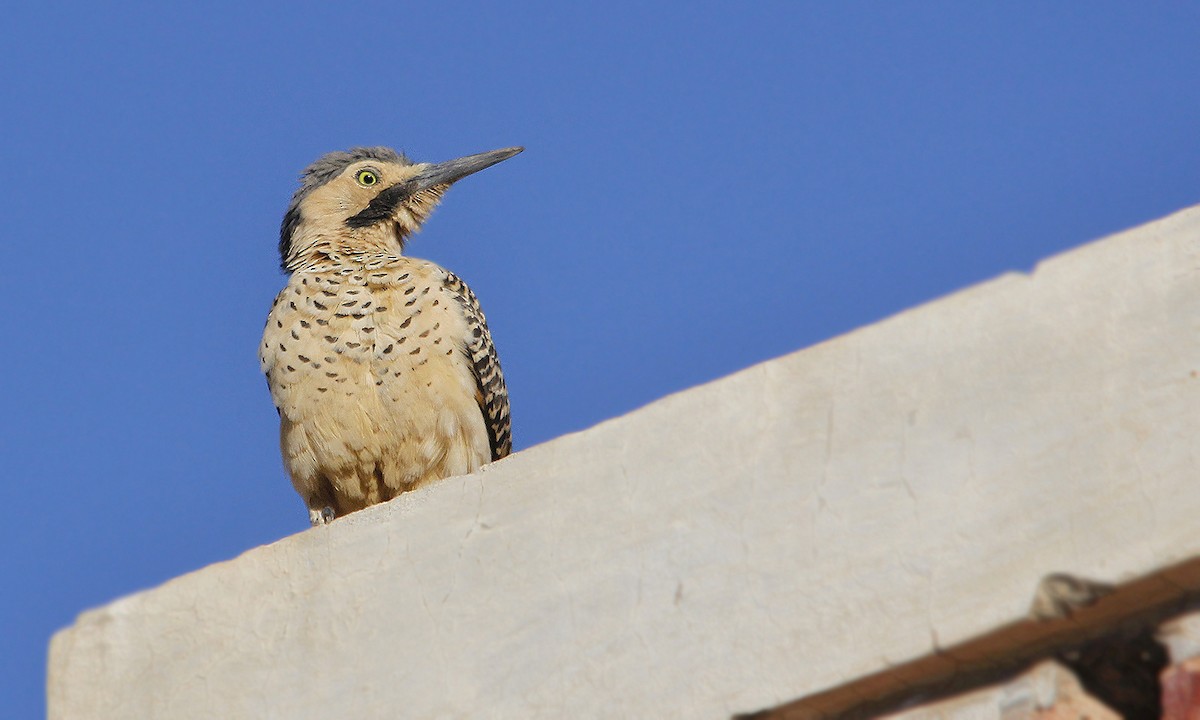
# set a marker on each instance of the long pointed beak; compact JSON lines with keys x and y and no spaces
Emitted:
{"x":445,"y":173}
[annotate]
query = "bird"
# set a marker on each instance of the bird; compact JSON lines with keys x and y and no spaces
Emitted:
{"x":381,"y":366}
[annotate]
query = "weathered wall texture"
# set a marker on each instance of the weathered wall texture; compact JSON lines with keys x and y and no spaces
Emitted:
{"x":729,"y":548}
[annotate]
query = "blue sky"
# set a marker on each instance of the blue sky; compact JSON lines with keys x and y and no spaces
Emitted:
{"x":702,"y":190}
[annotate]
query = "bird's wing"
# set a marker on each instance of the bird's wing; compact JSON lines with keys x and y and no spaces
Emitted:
{"x":490,"y":390}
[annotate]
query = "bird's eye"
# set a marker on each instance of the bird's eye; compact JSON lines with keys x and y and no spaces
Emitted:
{"x":366,"y":178}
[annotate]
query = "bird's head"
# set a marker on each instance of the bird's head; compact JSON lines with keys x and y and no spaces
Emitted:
{"x":367,"y":199}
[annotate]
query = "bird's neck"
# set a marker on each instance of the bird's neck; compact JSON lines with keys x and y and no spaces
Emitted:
{"x":318,"y":251}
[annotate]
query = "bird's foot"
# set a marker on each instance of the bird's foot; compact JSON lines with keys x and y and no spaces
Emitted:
{"x":324,"y":516}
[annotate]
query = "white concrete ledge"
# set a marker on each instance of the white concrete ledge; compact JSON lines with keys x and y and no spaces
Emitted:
{"x":729,"y":548}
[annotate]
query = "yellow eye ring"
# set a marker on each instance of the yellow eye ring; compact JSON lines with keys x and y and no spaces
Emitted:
{"x":366,"y":178}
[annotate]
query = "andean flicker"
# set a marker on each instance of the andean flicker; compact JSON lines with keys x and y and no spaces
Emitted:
{"x":381,"y":366}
